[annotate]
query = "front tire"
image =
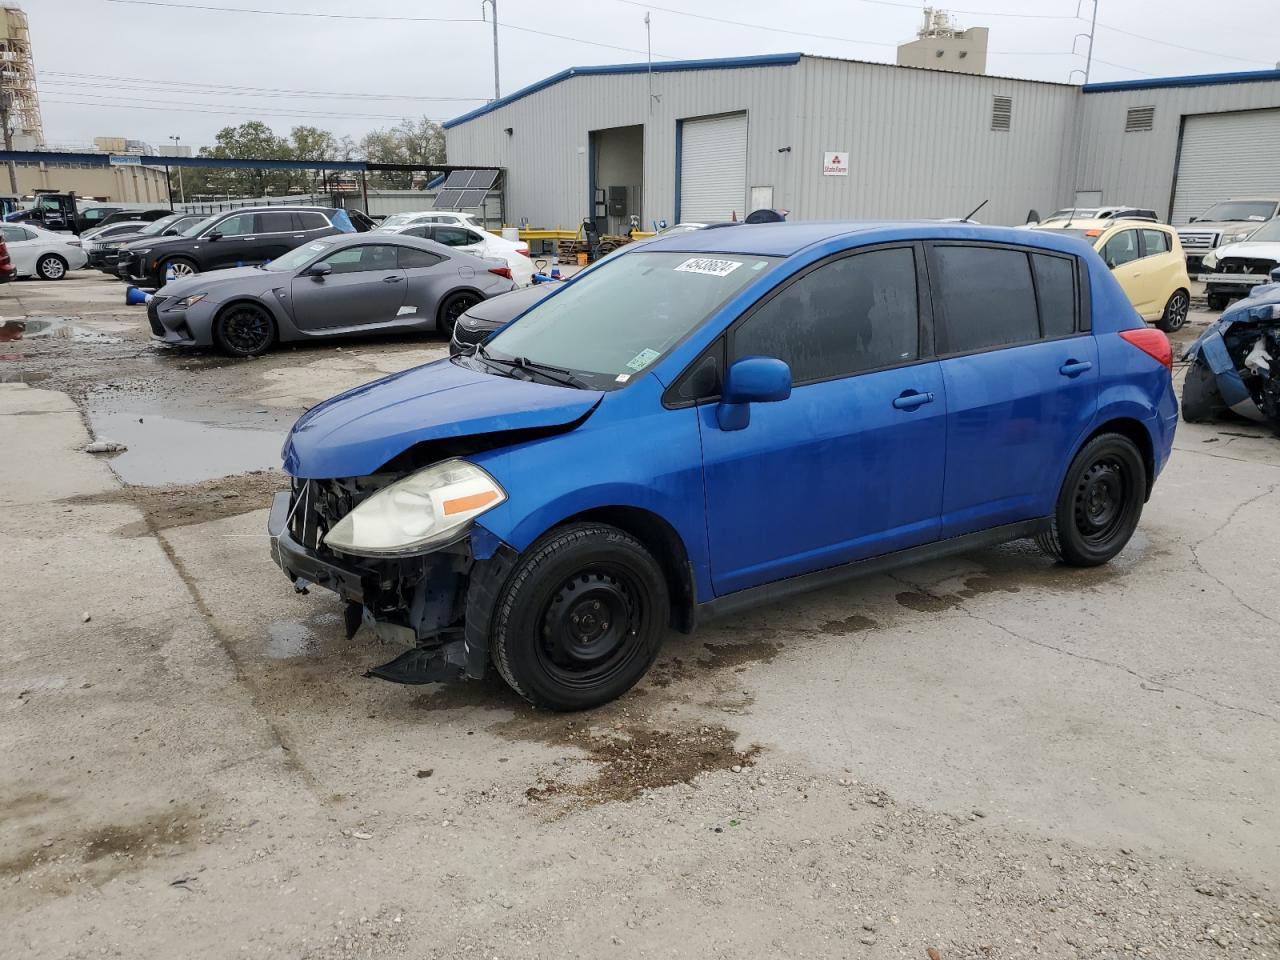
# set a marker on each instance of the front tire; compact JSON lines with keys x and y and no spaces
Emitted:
{"x":453,"y":307}
{"x":182,"y":269}
{"x":581,"y":617}
{"x":1100,"y":503}
{"x":1175,"y":312}
{"x":244,"y":330}
{"x":51,"y":267}
{"x":1218,"y":301}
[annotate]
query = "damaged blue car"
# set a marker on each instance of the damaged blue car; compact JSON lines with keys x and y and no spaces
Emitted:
{"x":722,"y":418}
{"x":1235,"y":364}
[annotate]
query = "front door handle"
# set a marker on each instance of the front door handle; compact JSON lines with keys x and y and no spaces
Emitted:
{"x":391,"y":279}
{"x":1073,"y":368}
{"x":910,"y":400}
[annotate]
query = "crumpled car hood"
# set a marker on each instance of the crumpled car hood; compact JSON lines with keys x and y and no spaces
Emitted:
{"x":357,"y":432}
{"x":1261,"y":250}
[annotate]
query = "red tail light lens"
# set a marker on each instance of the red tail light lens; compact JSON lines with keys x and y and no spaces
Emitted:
{"x":1153,"y":343}
{"x":524,"y":251}
{"x":504,"y":272}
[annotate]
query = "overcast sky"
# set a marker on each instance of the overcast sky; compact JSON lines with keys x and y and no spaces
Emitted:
{"x":111,"y":68}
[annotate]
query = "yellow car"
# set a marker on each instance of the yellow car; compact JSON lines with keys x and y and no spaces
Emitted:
{"x":1147,"y":259}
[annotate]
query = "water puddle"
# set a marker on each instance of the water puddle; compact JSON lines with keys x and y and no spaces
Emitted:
{"x":54,"y":328}
{"x":165,"y":450}
{"x":289,"y":639}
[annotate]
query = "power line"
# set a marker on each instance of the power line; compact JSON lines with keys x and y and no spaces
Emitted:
{"x":224,"y":109}
{"x":202,"y":89}
{"x":1178,"y":46}
{"x":882,"y":3}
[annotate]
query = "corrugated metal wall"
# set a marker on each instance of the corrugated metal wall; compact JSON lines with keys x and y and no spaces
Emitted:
{"x":920,"y":143}
{"x":1139,"y":167}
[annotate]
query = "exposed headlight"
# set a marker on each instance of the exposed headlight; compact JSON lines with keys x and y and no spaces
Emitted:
{"x":425,"y":510}
{"x":1240,"y":236}
{"x":191,"y":301}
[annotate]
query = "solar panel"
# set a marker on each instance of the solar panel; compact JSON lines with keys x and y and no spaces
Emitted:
{"x":472,"y":198}
{"x":448,"y":199}
{"x":458,"y":179}
{"x":483,"y":179}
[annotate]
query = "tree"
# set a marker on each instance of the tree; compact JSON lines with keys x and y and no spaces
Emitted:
{"x":419,"y":142}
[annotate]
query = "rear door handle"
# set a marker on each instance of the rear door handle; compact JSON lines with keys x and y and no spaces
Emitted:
{"x":910,"y":400}
{"x":391,"y":279}
{"x":1073,"y":368}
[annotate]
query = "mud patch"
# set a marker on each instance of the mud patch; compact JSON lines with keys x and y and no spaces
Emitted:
{"x":116,"y":844}
{"x":721,"y":656}
{"x":927,"y":602}
{"x":183,"y":504}
{"x":977,"y":586}
{"x":629,"y":754}
{"x":54,"y":328}
{"x":852,"y":624}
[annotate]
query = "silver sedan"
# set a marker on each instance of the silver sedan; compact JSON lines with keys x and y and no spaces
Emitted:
{"x":333,"y":287}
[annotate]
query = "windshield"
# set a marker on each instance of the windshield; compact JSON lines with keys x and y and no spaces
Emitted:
{"x":1080,"y":213}
{"x":199,"y":225}
{"x":623,"y":316}
{"x":398,"y":219}
{"x":297,"y":257}
{"x":1257,"y":210}
{"x":159,"y":226}
{"x":1269,"y":233}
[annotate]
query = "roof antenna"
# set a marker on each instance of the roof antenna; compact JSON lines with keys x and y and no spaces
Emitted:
{"x":974,"y":211}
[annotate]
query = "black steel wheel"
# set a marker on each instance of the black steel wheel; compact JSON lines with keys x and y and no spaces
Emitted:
{"x":581,"y":617}
{"x":1100,"y":503}
{"x":453,"y":307}
{"x":244,"y":330}
{"x":51,"y":267}
{"x":1175,"y":312}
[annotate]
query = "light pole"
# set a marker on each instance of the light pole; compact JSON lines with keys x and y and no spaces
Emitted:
{"x":182,"y":194}
{"x":493,"y":4}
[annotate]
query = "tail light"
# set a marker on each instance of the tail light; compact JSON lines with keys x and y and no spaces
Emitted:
{"x":504,"y":272}
{"x":1153,"y":343}
{"x":523,"y":251}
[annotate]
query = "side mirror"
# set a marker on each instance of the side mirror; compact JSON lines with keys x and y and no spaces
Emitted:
{"x":318,"y":271}
{"x":170,"y":233}
{"x":751,"y":380}
{"x":1192,"y":219}
{"x":216,"y":235}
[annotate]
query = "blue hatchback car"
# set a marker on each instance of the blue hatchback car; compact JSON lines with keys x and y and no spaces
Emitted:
{"x":723,"y":417}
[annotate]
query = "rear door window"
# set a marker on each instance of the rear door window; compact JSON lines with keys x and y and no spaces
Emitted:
{"x":847,"y":316}
{"x":986,"y":297}
{"x":452,"y":236}
{"x":1056,"y":294}
{"x":311,"y":221}
{"x":274,"y":222}
{"x":1155,"y":242}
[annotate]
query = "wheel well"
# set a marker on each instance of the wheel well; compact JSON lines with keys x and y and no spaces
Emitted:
{"x":450,"y":296}
{"x":660,"y":539}
{"x":49,"y":253}
{"x":245,"y":300}
{"x":1135,"y":432}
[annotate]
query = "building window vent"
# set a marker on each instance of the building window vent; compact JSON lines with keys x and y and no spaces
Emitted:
{"x":1139,"y":119}
{"x":1001,"y":113}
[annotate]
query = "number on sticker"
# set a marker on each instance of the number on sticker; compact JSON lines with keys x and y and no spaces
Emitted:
{"x":709,"y":266}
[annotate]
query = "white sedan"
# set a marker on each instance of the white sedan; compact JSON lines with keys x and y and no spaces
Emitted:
{"x":420,"y":217}
{"x":37,"y":252}
{"x":477,"y":242}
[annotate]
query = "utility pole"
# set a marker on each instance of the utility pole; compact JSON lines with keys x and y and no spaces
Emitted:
{"x":648,"y":44}
{"x":1093,"y":29}
{"x":493,"y":5}
{"x":6,"y":104}
{"x":182,"y":193}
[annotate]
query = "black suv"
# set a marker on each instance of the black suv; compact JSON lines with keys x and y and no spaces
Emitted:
{"x":236,"y":238}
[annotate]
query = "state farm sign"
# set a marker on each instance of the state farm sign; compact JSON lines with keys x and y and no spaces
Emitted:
{"x":835,"y":164}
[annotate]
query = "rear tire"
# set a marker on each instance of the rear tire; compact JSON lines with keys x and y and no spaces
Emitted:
{"x":1100,"y":503}
{"x":581,"y":617}
{"x":1201,"y":399}
{"x":51,"y":267}
{"x":244,"y":330}
{"x":1175,"y":312}
{"x":453,"y":307}
{"x":1218,"y":301}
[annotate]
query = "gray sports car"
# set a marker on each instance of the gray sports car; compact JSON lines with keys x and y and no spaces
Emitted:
{"x":334,"y":286}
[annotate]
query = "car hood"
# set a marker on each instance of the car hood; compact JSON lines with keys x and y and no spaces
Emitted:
{"x":153,"y":243}
{"x":242,"y":278}
{"x":1262,"y":250}
{"x":498,"y":310}
{"x":356,"y":433}
{"x":1203,"y":226}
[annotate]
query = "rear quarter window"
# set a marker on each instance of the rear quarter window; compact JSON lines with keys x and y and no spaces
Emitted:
{"x":1056,"y":293}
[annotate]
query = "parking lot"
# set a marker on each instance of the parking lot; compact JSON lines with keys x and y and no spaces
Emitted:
{"x":987,"y":756}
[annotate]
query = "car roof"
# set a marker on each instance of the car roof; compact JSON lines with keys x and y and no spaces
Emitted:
{"x":278,"y":207}
{"x":787,"y":239}
{"x":1100,"y":224}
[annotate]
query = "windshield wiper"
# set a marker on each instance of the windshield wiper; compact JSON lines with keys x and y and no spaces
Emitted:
{"x":557,"y":374}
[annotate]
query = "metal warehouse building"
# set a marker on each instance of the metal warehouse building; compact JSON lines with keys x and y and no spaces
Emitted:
{"x":703,"y":140}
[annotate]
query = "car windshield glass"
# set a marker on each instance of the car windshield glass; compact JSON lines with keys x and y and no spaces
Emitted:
{"x":297,"y":257}
{"x":1269,"y":233}
{"x":1241,"y":210}
{"x":1080,"y":213}
{"x":397,"y":220}
{"x":622,"y":317}
{"x":199,"y":225}
{"x":158,"y":226}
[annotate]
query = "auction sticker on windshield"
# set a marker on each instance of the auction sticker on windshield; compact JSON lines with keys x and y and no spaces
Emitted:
{"x":708,"y":266}
{"x":642,"y":359}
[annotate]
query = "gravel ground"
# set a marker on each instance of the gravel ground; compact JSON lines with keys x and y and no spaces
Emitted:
{"x":988,"y":756}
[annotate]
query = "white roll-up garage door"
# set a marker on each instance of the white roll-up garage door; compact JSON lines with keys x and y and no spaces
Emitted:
{"x":1226,"y":156}
{"x":713,"y":168}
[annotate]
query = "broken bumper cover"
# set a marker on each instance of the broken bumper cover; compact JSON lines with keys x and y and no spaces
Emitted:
{"x":299,"y":563}
{"x":1242,"y":352}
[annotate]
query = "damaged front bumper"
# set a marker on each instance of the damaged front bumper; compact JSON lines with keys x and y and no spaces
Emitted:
{"x":420,"y":602}
{"x":1235,"y":364}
